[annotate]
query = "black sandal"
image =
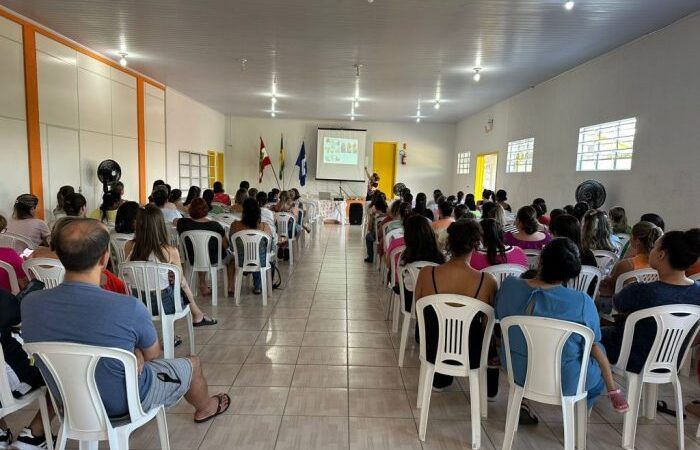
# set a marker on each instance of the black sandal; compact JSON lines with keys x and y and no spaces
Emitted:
{"x":219,"y":409}
{"x":205,"y":322}
{"x":178,"y":341}
{"x":527,"y":417}
{"x":662,"y":407}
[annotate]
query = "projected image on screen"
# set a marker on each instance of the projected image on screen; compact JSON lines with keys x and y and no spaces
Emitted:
{"x":340,"y":151}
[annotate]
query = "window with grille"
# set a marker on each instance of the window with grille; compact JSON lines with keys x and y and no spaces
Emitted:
{"x":463,"y":162}
{"x":608,"y":146}
{"x":520,"y":155}
{"x":194,"y":170}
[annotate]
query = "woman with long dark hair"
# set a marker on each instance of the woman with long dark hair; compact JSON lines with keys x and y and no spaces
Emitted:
{"x":493,"y":250}
{"x":528,"y":234}
{"x":422,"y":206}
{"x":192,"y":193}
{"x":251,"y":220}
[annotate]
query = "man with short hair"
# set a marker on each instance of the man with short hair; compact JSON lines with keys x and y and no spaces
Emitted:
{"x":79,"y":311}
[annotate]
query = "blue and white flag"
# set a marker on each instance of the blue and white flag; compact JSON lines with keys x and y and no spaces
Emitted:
{"x":301,"y":163}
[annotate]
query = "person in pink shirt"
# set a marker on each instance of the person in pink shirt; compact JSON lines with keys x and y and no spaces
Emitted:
{"x":10,"y":256}
{"x":494,"y":251}
{"x":528,"y":235}
{"x":445,"y":218}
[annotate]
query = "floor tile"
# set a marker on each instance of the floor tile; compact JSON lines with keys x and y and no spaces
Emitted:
{"x":276,"y":354}
{"x":324,"y":339}
{"x":267,"y":401}
{"x":375,"y":377}
{"x":242,"y":433}
{"x":320,"y":376}
{"x":265,"y":375}
{"x":323,"y":355}
{"x":313,"y":433}
{"x":317,"y":402}
{"x":380,"y":433}
{"x":379,"y":403}
{"x":371,"y":357}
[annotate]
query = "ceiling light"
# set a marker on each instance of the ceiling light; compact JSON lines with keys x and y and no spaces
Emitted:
{"x":274,"y":100}
{"x":122,"y":60}
{"x":569,"y":5}
{"x":437,"y":104}
{"x":357,"y":103}
{"x":352,"y":117}
{"x":477,"y":74}
{"x":272,"y":114}
{"x":417,"y":119}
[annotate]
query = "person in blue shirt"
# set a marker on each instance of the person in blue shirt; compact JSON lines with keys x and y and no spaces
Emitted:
{"x":546,"y":296}
{"x":671,"y":255}
{"x":79,"y":311}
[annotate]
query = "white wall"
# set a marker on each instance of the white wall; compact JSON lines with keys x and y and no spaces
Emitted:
{"x":429,"y":147}
{"x":154,"y":124}
{"x":14,"y":172}
{"x":190,"y":126}
{"x":654,"y":79}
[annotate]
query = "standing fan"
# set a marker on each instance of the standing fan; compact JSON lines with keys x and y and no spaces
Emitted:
{"x":398,"y":189}
{"x":108,"y":172}
{"x":591,"y":192}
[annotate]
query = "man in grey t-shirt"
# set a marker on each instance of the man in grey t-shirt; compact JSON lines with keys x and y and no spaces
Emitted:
{"x":80,"y":311}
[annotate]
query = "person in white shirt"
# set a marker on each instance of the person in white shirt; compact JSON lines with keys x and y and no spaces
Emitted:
{"x":266,"y":214}
{"x":160,"y":198}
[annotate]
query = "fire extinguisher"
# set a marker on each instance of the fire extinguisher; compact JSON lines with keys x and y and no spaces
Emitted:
{"x":403,"y":155}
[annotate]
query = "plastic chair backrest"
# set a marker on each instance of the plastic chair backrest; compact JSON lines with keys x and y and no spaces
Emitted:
{"x":143,"y":278}
{"x":545,"y":339}
{"x":408,"y":278}
{"x":72,"y":367}
{"x":639,"y":276}
{"x":533,"y":257}
{"x":47,"y":270}
{"x":605,"y":259}
{"x":391,"y":235}
{"x":582,"y":282}
{"x":11,"y":276}
{"x":695,"y":277}
{"x":673,"y":324}
{"x":7,"y":400}
{"x":250,"y":241}
{"x":173,"y":236}
{"x":226,"y":218}
{"x":200,"y":248}
{"x":503,"y":271}
{"x":16,"y":241}
{"x":394,"y":261}
{"x":455,"y":314}
{"x":117,"y":241}
{"x":282,"y":221}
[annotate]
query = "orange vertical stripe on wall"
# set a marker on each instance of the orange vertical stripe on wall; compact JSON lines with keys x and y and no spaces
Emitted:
{"x":141,"y":130}
{"x":31,"y":95}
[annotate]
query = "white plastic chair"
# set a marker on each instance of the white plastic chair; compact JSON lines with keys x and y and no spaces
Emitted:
{"x":582,"y":282}
{"x":251,"y":240}
{"x":47,"y":270}
{"x":72,"y":367}
{"x":375,"y":244}
{"x":639,"y":276}
{"x":674,"y":323}
{"x":284,"y":221}
{"x":503,"y":271}
{"x":533,"y":258}
{"x":388,"y":237}
{"x":11,"y":276}
{"x":408,"y":276}
{"x":606,"y":260}
{"x":200,"y":261}
{"x":545,"y":339}
{"x":227,"y":218}
{"x":16,"y":241}
{"x":143,"y":279}
{"x":455,"y":314}
{"x":10,"y":404}
{"x":117,"y":241}
{"x":695,"y":277}
{"x":394,"y":299}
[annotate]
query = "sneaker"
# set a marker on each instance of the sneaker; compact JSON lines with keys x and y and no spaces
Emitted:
{"x":27,"y":441}
{"x":5,"y":439}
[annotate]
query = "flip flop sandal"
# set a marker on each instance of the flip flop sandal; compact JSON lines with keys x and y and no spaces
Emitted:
{"x":662,"y":407}
{"x":205,"y":322}
{"x":219,"y":409}
{"x":178,"y":341}
{"x":527,"y":417}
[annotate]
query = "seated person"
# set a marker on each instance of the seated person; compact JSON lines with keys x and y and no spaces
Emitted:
{"x":238,"y":200}
{"x":541,"y":209}
{"x":648,"y":217}
{"x":25,"y":223}
{"x":642,"y":239}
{"x":79,"y":311}
{"x":250,"y":220}
{"x":222,"y":197}
{"x":493,"y":250}
{"x":456,"y":276}
{"x":376,"y":209}
{"x":618,"y":220}
{"x":23,"y":377}
{"x":11,"y":257}
{"x":596,"y":233}
{"x":160,"y":198}
{"x":501,"y":199}
{"x":126,"y":218}
{"x":671,"y":256}
{"x":214,"y":208}
{"x":565,"y":225}
{"x":107,"y":212}
{"x":527,"y":235}
{"x":445,"y":218}
{"x":545,"y":296}
{"x":405,"y":212}
{"x":266,"y":214}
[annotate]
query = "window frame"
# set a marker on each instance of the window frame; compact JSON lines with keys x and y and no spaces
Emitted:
{"x":524,"y":146}
{"x":621,"y":137}
{"x":464,"y":163}
{"x":186,"y":164}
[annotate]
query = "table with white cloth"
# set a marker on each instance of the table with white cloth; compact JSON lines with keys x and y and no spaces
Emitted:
{"x":333,"y":210}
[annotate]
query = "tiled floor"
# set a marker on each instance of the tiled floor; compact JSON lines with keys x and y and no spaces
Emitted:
{"x":317,"y":369}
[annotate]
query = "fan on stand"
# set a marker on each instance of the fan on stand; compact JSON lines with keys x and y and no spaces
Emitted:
{"x":591,"y":192}
{"x":108,"y":172}
{"x":398,"y":189}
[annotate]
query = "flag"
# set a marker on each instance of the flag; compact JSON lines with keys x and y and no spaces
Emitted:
{"x":282,"y":159}
{"x":264,"y":160}
{"x":301,"y":163}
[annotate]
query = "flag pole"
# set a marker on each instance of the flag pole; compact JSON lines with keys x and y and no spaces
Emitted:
{"x":275,"y":174}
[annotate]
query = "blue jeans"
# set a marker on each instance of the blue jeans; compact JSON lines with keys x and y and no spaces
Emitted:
{"x":257,"y":280}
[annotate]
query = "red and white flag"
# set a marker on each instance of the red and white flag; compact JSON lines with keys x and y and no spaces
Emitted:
{"x":264,"y":159}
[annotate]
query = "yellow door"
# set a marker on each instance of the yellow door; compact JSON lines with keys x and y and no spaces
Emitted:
{"x":486,"y":166}
{"x":384,"y":164}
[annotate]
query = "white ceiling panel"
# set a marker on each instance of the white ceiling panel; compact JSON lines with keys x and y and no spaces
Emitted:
{"x":407,"y":48}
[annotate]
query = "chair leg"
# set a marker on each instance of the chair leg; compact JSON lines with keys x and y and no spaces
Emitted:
{"x":121,"y":436}
{"x":291,"y":252}
{"x":629,"y":425}
{"x":581,"y":423}
{"x":650,"y":396}
{"x":224,"y":275}
{"x":475,"y":403}
{"x":237,"y":288}
{"x":168,"y":338}
{"x":404,"y":337}
{"x":61,"y":439}
{"x":425,"y":402}
{"x":421,"y":382}
{"x":397,"y":313}
{"x":483,"y":397}
{"x":680,"y":426}
{"x":214,"y":286}
{"x":190,"y":332}
{"x":87,"y":445}
{"x":268,"y":279}
{"x":515,"y":398}
{"x":569,"y":422}
{"x":194,"y":286}
{"x":46,"y":421}
{"x":263,"y":287}
{"x":163,"y":429}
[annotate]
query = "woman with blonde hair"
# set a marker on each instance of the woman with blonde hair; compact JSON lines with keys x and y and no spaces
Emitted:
{"x":618,"y":220}
{"x":596,"y":233}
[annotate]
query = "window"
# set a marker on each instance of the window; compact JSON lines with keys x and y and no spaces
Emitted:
{"x":520,"y":155}
{"x":607,"y":146}
{"x":463,"y":162}
{"x":194,"y":170}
